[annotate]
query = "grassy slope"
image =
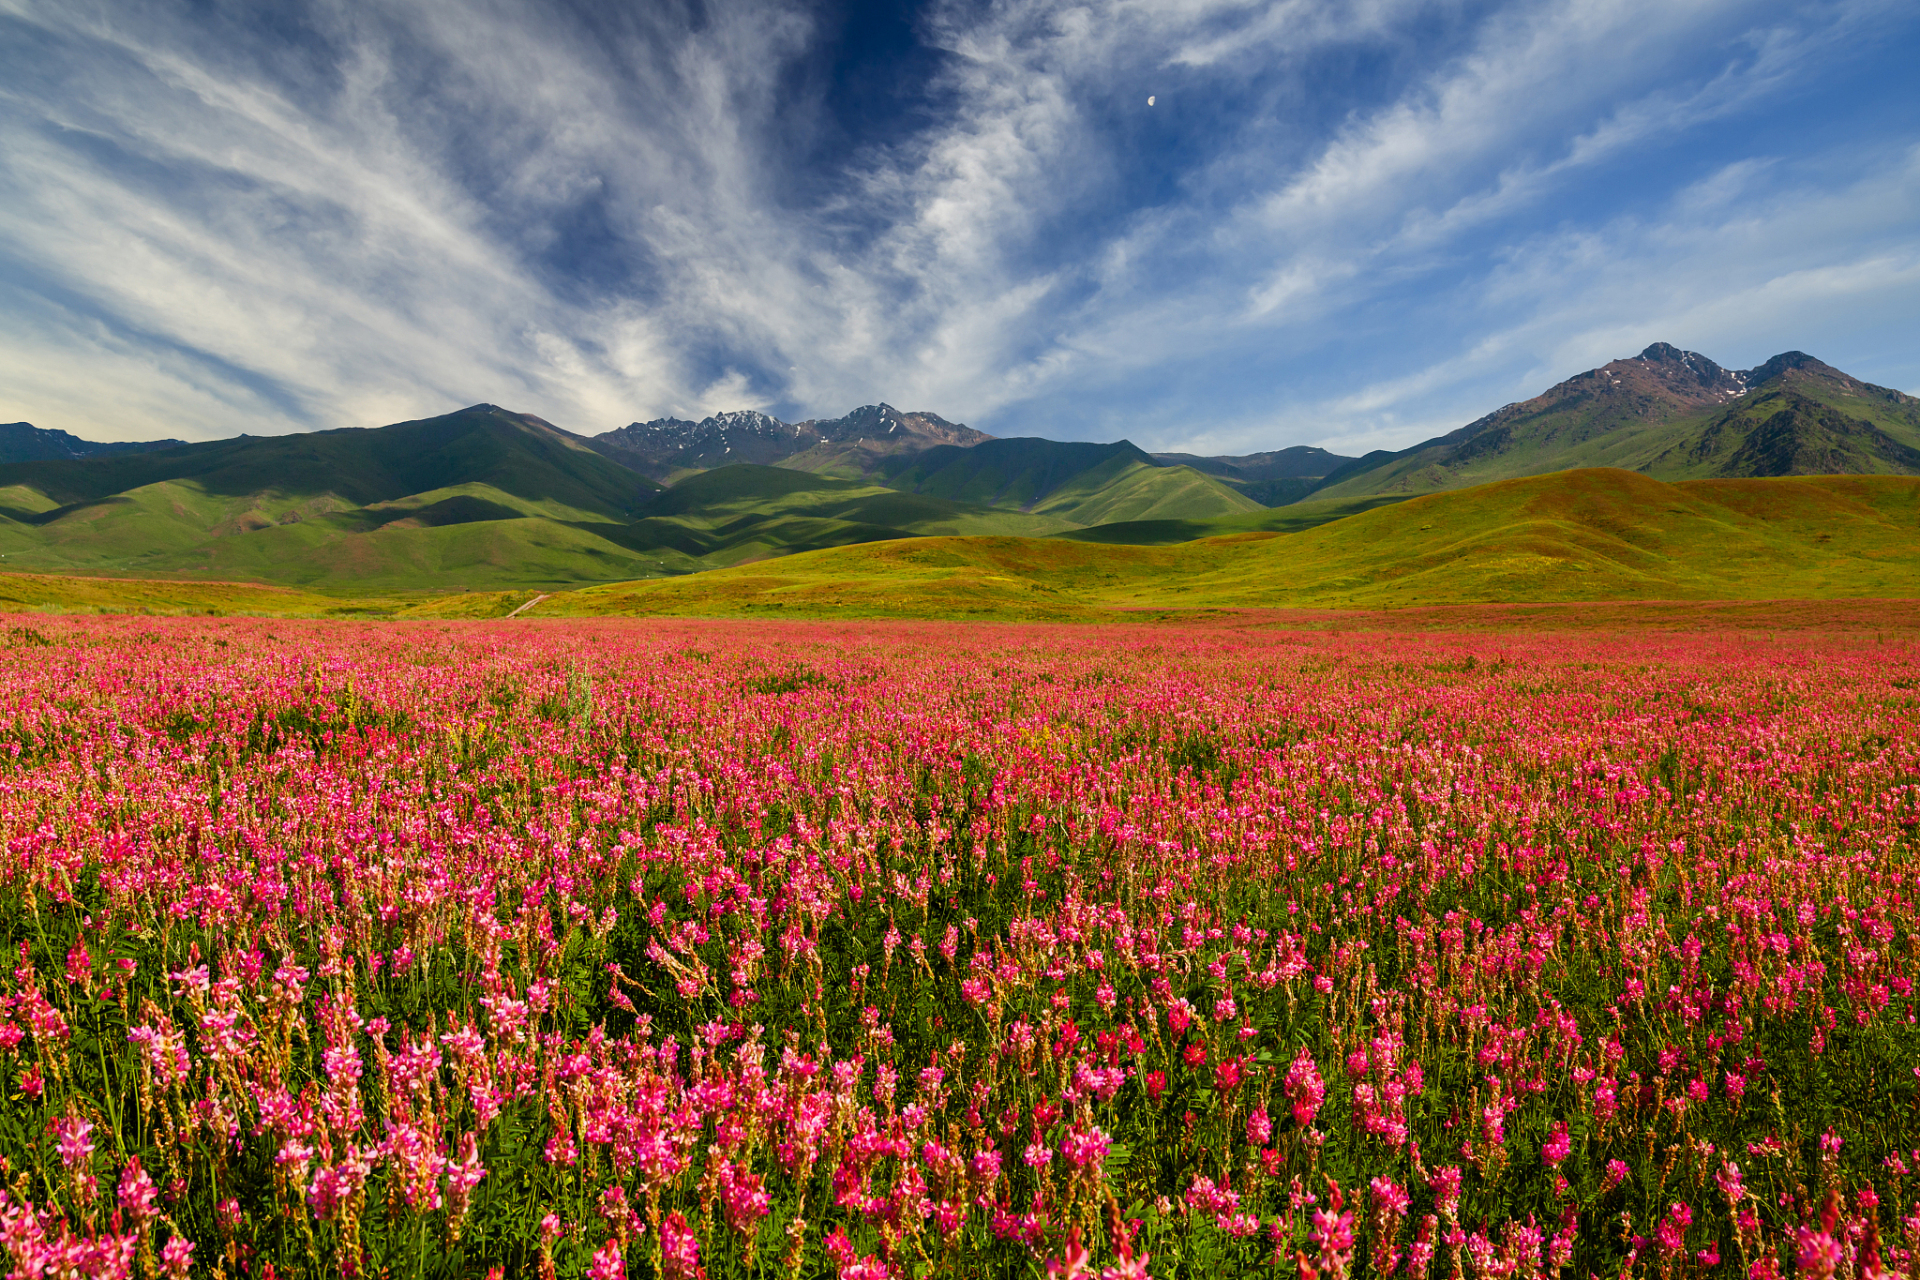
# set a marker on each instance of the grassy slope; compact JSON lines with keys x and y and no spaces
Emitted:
{"x":513,"y":453}
{"x":1557,"y":442}
{"x":434,"y":539}
{"x":480,"y":493}
{"x":47,"y":593}
{"x":492,"y":500}
{"x":1126,"y":490}
{"x":468,"y":533}
{"x":1685,"y":446}
{"x":722,"y":497}
{"x":921,"y":577}
{"x":1596,"y":535}
{"x":1583,"y":535}
{"x":1572,"y":537}
{"x":1288,"y":519}
{"x":1076,"y":482}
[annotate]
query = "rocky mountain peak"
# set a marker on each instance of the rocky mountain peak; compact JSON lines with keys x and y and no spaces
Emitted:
{"x":746,"y":420}
{"x":667,"y":447}
{"x":1686,"y":373}
{"x":1793,"y":361}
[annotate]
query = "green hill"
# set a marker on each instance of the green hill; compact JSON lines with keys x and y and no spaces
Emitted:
{"x":1600,"y":534}
{"x":1670,"y":414}
{"x":1273,"y":479}
{"x":744,"y":512}
{"x":1291,"y":518}
{"x":482,"y":499}
{"x":534,"y":463}
{"x":482,"y":496}
{"x":48,"y":593}
{"x":487,"y":501}
{"x":1077,"y":483}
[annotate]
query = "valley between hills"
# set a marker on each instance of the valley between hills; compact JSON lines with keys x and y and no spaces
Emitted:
{"x":1660,"y":477}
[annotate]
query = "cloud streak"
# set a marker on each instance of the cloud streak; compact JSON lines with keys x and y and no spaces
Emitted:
{"x":1348,"y":223}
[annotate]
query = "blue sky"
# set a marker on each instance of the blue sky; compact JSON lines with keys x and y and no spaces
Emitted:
{"x":1352,"y":224}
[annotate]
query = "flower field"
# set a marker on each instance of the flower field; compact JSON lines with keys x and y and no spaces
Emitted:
{"x":901,"y":950}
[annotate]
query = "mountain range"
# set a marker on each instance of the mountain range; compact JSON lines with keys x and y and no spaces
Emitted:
{"x":669,"y":448}
{"x":1669,"y":414}
{"x":24,"y":442}
{"x":489,"y":499}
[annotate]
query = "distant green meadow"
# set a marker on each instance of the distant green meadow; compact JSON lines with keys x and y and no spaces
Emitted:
{"x":1578,"y":536}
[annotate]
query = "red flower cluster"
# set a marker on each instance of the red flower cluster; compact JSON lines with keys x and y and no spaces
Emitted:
{"x":703,"y":949}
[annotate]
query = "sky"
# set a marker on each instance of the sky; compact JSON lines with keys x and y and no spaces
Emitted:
{"x":1355,"y":225}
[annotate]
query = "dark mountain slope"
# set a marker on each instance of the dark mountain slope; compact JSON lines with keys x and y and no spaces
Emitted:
{"x":1783,"y":433}
{"x":1272,"y":479}
{"x":1083,"y":483}
{"x":517,"y":454}
{"x":24,"y":442}
{"x":746,"y":512}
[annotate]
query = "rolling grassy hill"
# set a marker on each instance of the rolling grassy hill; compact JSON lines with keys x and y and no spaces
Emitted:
{"x":488,"y":503}
{"x":1076,"y":483}
{"x":742,"y":513}
{"x":482,"y":494}
{"x":1291,"y":518}
{"x":1597,"y":534}
{"x":479,"y":499}
{"x":56,"y":593}
{"x":1273,"y":479}
{"x":1591,"y":535}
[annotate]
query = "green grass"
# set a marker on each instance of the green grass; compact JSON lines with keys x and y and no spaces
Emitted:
{"x":501,"y":498}
{"x":514,"y":453}
{"x":1587,"y":535}
{"x":1077,"y":483}
{"x":1595,"y":535}
{"x":1574,"y":536}
{"x":488,"y":500}
{"x":1288,"y":519}
{"x":48,"y":593}
{"x":728,"y":501}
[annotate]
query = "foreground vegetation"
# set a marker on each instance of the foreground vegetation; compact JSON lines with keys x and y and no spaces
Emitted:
{"x":674,"y":948}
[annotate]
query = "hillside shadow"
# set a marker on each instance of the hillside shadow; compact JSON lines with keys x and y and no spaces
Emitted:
{"x":520,"y":456}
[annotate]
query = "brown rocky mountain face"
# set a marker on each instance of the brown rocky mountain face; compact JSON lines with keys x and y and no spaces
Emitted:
{"x":857,"y":443}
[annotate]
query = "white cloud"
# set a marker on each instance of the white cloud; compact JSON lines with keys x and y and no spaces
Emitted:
{"x":433,"y":203}
{"x":1739,"y":279}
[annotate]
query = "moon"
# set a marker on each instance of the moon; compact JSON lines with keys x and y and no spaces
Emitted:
{"x":1149,"y":99}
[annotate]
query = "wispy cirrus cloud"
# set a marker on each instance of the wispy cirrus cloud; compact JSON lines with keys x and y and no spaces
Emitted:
{"x":1339,"y":221}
